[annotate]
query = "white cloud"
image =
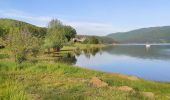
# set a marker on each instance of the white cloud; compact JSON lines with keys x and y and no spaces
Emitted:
{"x":37,"y":20}
{"x":92,"y":28}
{"x":88,"y":28}
{"x":96,"y":28}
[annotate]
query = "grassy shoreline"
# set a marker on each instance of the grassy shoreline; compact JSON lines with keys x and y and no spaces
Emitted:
{"x":62,"y":81}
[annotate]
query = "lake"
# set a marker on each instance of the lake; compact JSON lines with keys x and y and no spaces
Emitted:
{"x":149,"y":63}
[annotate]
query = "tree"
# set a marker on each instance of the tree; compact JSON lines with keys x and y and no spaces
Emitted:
{"x":2,"y":35}
{"x":91,"y":40}
{"x":69,"y":32}
{"x":22,"y":44}
{"x":3,"y":32}
{"x":55,"y":37}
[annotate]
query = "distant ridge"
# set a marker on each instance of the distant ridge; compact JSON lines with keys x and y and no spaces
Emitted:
{"x":143,"y":35}
{"x":102,"y":39}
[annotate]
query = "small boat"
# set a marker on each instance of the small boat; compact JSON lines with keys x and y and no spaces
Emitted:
{"x":148,"y":45}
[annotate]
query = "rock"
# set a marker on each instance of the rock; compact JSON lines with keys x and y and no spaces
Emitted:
{"x":34,"y":96}
{"x":125,"y":88}
{"x":96,"y":82}
{"x":148,"y":94}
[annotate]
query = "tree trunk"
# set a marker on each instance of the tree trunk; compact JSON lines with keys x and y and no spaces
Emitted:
{"x":56,"y":49}
{"x":48,"y":50}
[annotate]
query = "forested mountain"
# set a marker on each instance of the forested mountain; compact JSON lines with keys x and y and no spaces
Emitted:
{"x":8,"y":25}
{"x":144,"y":35}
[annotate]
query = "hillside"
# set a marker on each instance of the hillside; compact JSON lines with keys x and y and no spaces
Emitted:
{"x":102,"y":39}
{"x":7,"y":25}
{"x":144,"y":35}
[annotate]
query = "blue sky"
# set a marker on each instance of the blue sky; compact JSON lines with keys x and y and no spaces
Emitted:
{"x":92,"y":17}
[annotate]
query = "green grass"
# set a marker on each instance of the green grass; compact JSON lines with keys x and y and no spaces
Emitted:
{"x":66,"y":82}
{"x":3,"y":56}
{"x":11,"y":90}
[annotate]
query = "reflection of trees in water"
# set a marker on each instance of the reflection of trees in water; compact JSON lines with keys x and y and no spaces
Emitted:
{"x":91,"y":52}
{"x":77,"y":52}
{"x":68,"y":58}
{"x":154,"y":52}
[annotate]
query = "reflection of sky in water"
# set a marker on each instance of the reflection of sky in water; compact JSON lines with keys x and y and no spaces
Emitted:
{"x":166,"y":51}
{"x":144,"y":67}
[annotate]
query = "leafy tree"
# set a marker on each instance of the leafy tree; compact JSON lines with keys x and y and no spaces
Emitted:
{"x":1,"y":31}
{"x":91,"y":40}
{"x":23,"y":44}
{"x":69,"y":32}
{"x":55,"y":37}
{"x":1,"y":37}
{"x":55,"y":24}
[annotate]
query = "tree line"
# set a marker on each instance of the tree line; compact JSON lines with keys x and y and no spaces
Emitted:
{"x":25,"y":40}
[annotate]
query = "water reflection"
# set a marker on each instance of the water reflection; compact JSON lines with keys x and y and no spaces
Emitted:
{"x":91,"y":52}
{"x":150,"y":63}
{"x":137,"y":51}
{"x":68,"y":58}
{"x":140,"y":51}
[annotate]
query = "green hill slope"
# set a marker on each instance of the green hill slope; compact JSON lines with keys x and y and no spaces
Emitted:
{"x":102,"y":39}
{"x":7,"y":25}
{"x":144,"y":35}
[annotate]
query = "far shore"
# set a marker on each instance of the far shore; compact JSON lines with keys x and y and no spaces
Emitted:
{"x":141,"y":44}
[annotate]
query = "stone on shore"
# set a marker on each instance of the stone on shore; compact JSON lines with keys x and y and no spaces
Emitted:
{"x":96,"y":82}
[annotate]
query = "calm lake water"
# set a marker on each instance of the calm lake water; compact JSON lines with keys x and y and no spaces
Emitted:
{"x":149,"y":63}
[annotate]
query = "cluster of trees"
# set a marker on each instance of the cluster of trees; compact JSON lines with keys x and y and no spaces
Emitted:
{"x":91,"y":40}
{"x":100,"y":39}
{"x":58,"y":34}
{"x":25,"y":40}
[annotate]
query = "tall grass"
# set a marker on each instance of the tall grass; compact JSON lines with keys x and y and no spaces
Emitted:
{"x":11,"y":90}
{"x":62,"y":81}
{"x":3,"y":56}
